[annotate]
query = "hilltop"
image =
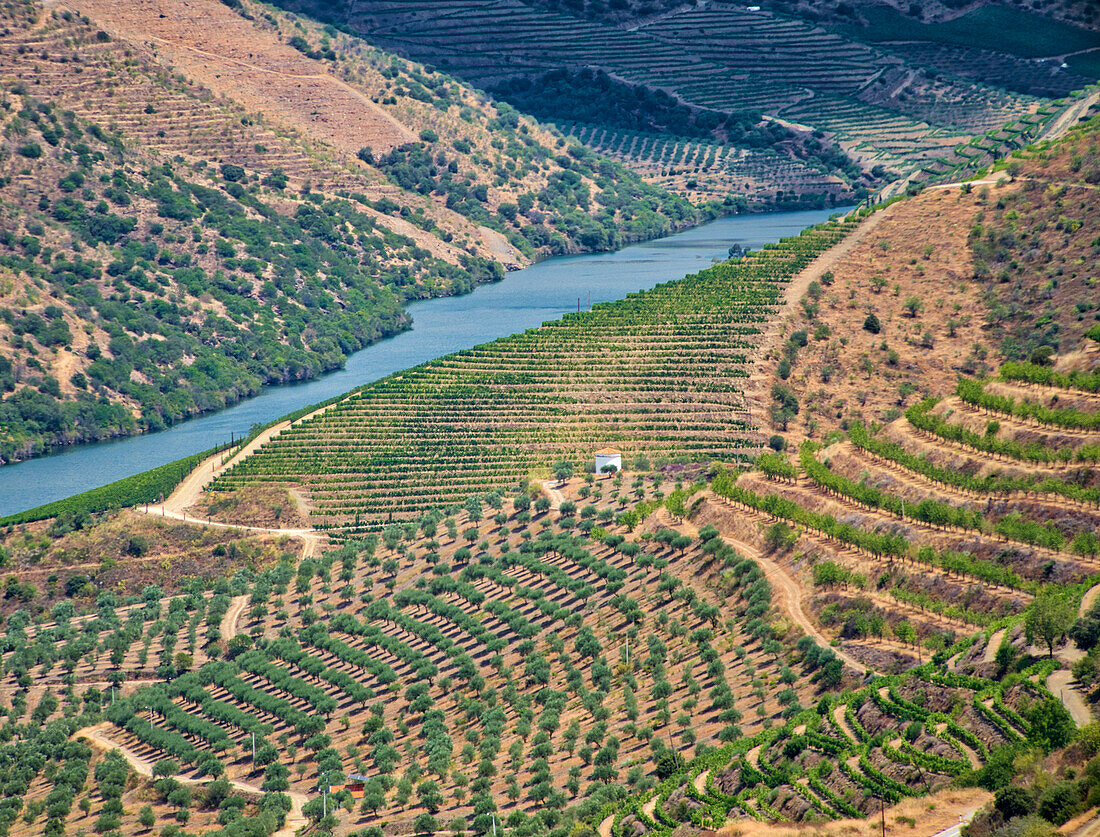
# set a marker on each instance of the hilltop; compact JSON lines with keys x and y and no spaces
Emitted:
{"x":199,"y":206}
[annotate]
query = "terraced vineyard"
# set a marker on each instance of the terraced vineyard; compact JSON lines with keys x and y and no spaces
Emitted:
{"x":507,"y":661}
{"x":501,"y":659}
{"x":709,"y":171}
{"x":932,"y":545}
{"x":429,"y":660}
{"x":883,"y":109}
{"x":976,"y":504}
{"x":659,"y":374}
{"x":629,"y":652}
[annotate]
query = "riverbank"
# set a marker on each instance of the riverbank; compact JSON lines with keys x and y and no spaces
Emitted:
{"x":525,"y":299}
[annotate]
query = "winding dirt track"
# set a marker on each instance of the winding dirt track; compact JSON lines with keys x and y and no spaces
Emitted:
{"x":1069,"y":117}
{"x":701,"y":781}
{"x":776,"y":330}
{"x":790,"y":598}
{"x":143,"y":767}
{"x":187,"y":492}
{"x":556,"y":497}
{"x":788,"y":591}
{"x":229,"y":621}
{"x":1061,"y":686}
{"x":842,"y":722}
{"x":798,"y":286}
{"x":1088,"y":599}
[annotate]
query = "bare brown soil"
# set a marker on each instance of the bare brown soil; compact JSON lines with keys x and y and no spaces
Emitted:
{"x":231,"y":56}
{"x":932,"y":814}
{"x":917,"y":249}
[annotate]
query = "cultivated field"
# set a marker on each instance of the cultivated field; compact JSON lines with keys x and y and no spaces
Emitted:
{"x":883,"y":110}
{"x":660,"y":374}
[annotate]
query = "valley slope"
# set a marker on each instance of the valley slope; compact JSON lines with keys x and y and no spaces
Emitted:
{"x":173,"y":186}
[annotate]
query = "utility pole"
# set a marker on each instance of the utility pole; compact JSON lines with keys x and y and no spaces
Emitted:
{"x":882,"y":811}
{"x":253,"y":749}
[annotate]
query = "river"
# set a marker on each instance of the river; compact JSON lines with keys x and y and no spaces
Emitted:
{"x":525,"y":298}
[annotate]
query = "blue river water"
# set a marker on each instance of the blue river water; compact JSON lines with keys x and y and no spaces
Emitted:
{"x":523,"y":299}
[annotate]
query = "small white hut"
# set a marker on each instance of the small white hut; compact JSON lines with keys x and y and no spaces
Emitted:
{"x":606,"y":457}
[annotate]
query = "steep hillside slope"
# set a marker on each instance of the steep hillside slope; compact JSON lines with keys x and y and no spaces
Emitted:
{"x":956,"y":280}
{"x":893,"y":113}
{"x":659,"y":374}
{"x":865,"y":621}
{"x":166,"y":200}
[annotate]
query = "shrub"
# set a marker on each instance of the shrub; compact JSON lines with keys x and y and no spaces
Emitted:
{"x":1014,"y":801}
{"x":231,"y":172}
{"x":872,"y":324}
{"x":1059,"y":802}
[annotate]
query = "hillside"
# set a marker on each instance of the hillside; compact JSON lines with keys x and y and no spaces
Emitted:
{"x":897,"y":615}
{"x":166,"y":199}
{"x":1080,"y":13}
{"x":847,"y":575}
{"x":536,"y":664}
{"x":954,"y":281}
{"x":659,"y":374}
{"x":898,"y":96}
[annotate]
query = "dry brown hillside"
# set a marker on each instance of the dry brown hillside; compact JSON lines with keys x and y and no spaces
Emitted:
{"x":959,"y":279}
{"x":915,"y":249}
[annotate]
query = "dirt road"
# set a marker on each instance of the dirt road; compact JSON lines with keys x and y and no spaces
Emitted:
{"x":605,"y":827}
{"x":787,"y":593}
{"x":188,"y":491}
{"x":789,"y":599}
{"x":1061,"y":686}
{"x":556,"y":497}
{"x":143,"y":767}
{"x":232,"y":616}
{"x":1069,"y":117}
{"x":1088,"y":599}
{"x":777,"y":329}
{"x":701,"y":782}
{"x":798,"y":286}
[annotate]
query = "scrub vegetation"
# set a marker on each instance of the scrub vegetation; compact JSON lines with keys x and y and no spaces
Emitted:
{"x":166,"y":253}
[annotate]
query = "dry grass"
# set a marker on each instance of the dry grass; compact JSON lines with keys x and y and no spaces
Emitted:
{"x":264,"y":506}
{"x":918,"y":250}
{"x":127,"y":551}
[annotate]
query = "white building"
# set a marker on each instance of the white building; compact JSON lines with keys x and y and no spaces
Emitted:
{"x":608,"y":456}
